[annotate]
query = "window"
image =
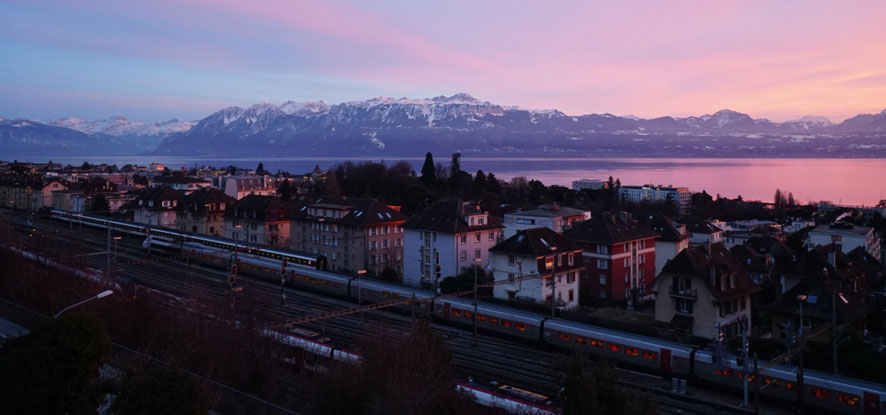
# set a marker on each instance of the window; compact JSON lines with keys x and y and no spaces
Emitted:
{"x":371,"y":245}
{"x":384,"y":258}
{"x":434,"y":236}
{"x":627,"y":247}
{"x":477,"y":253}
{"x":463,"y":255}
{"x":742,"y":302}
{"x":492,"y":235}
{"x":570,"y":277}
{"x":511,"y":260}
{"x":602,"y":279}
{"x":642,"y":244}
{"x":480,"y":220}
{"x":464,"y":239}
{"x":602,"y":264}
{"x":372,"y":259}
{"x":511,"y":277}
{"x":642,"y":258}
{"x":627,"y":262}
{"x":397,"y":242}
{"x":549,"y":262}
{"x":372,"y":231}
{"x":384,"y":244}
{"x":385,"y":230}
{"x":602,"y":249}
{"x":477,"y":237}
{"x":571,"y":259}
{"x":683,"y":306}
{"x":571,"y":295}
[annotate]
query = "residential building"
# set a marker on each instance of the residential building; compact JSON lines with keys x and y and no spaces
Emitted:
{"x":185,"y":184}
{"x":673,"y":237}
{"x":822,"y":281}
{"x":452,"y":234}
{"x":846,"y":236}
{"x":792,"y":225}
{"x":526,"y":265}
{"x":589,"y":184}
{"x":551,"y":216}
{"x":157,"y":206}
{"x":763,"y":257}
{"x":353,"y":233}
{"x":203,"y":211}
{"x":262,"y":220}
{"x":704,"y":290}
{"x":28,"y":192}
{"x":619,"y":257}
{"x":239,"y":187}
{"x":680,"y":196}
{"x":702,"y":232}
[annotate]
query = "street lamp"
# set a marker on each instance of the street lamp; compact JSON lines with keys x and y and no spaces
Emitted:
{"x":477,"y":262}
{"x":102,"y":294}
{"x":802,"y":299}
{"x":360,"y":287}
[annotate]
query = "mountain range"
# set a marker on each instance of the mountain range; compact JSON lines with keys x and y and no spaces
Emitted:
{"x":388,"y":127}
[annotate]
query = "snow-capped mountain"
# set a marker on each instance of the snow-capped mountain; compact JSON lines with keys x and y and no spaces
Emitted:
{"x":408,"y":127}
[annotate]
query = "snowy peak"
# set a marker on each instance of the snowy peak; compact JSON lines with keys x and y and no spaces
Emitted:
{"x":813,"y":119}
{"x":459,"y":98}
{"x":304,"y":109}
{"x":119,"y":125}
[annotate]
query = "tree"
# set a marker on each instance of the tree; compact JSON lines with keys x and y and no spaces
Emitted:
{"x":54,"y":368}
{"x":428,"y":172}
{"x":160,"y":390}
{"x":455,"y":164}
{"x":100,"y":204}
{"x":464,"y":281}
{"x":597,"y":392}
{"x":260,"y":170}
{"x":285,"y":190}
{"x":479,"y":182}
{"x":332,"y":188}
{"x":389,"y":274}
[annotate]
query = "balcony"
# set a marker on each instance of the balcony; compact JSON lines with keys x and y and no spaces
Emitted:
{"x":690,"y":294}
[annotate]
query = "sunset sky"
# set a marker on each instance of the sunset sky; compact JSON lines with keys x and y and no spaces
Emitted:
{"x":161,"y":59}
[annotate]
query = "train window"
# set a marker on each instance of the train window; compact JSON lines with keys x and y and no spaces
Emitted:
{"x":612,"y":347}
{"x":650,"y":356}
{"x":385,"y":294}
{"x":724,"y":372}
{"x":493,"y":320}
{"x":789,"y":386}
{"x":596,"y":343}
{"x":456,"y":313}
{"x":506,"y":323}
{"x":741,"y":376}
{"x":847,"y":399}
{"x":521,"y":327}
{"x":630,"y":351}
{"x":469,"y":314}
{"x":821,"y":393}
{"x":775,"y":382}
{"x":580,"y":339}
{"x":564,"y":336}
{"x":481,"y":317}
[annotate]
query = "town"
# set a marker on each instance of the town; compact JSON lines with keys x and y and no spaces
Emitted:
{"x":742,"y":277}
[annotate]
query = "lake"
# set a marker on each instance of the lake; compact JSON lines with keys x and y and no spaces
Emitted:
{"x":843,"y":181}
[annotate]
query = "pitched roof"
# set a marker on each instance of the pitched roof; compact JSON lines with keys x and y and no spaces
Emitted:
{"x":197,"y":201}
{"x":550,"y":211}
{"x":749,"y":258}
{"x":695,"y":224}
{"x":663,"y":225}
{"x":535,"y":242}
{"x":359,"y":211}
{"x":608,"y":228}
{"x":697,"y":263}
{"x":448,"y":216}
{"x":262,"y":208}
{"x":157,"y":195}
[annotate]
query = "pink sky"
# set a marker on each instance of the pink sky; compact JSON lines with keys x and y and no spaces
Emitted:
{"x":777,"y":60}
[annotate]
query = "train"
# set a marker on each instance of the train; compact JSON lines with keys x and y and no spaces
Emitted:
{"x":822,"y":391}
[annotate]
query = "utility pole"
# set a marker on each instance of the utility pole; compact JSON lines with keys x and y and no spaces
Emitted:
{"x":834,"y":325}
{"x":756,"y":386}
{"x":800,"y":377}
{"x":108,"y":269}
{"x":744,"y":357}
{"x":554,"y":282}
{"x":476,"y":265}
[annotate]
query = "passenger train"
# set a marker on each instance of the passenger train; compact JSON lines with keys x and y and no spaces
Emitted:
{"x":825,"y":392}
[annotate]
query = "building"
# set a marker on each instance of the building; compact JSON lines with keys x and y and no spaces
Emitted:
{"x":256,"y":219}
{"x":451,"y":233}
{"x":187,"y":185}
{"x":523,"y":266}
{"x":619,"y":257}
{"x":239,"y":187}
{"x":701,"y":232}
{"x":157,"y":206}
{"x":673,"y":237}
{"x":589,"y":184}
{"x":551,"y":216}
{"x":792,"y":225}
{"x":704,"y":290}
{"x":203,"y":211}
{"x":846,"y":236}
{"x":28,"y":192}
{"x":353,"y":233}
{"x":680,"y":196}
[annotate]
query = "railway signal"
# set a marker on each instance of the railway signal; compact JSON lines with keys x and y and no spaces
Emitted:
{"x":233,"y":278}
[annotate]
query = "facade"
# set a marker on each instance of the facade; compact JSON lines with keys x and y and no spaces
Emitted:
{"x":203,"y":211}
{"x":551,"y":216}
{"x":239,"y":187}
{"x":796,"y":224}
{"x":28,"y":192}
{"x":706,"y":291}
{"x":353,"y":233}
{"x":255,"y":219}
{"x":529,"y":259}
{"x":157,"y":206}
{"x":619,"y":257}
{"x":451,"y":234}
{"x":702,"y":232}
{"x":846,"y":236}
{"x":589,"y":184}
{"x":673,"y":237}
{"x":681,"y":196}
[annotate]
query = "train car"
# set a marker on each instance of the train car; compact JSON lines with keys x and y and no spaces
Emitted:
{"x":498,"y":319}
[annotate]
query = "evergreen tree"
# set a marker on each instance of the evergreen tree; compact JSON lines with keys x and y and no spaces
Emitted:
{"x":260,"y":170}
{"x":479,"y":183}
{"x":332,"y":187}
{"x":428,"y":172}
{"x":285,"y":190}
{"x":455,"y":164}
{"x":100,"y":204}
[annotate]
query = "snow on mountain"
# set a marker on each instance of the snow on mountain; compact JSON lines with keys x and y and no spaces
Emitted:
{"x":813,"y":120}
{"x":304,"y":108}
{"x":119,"y":125}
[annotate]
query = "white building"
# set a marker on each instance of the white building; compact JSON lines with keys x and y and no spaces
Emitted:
{"x":529,"y":259}
{"x":444,"y":239}
{"x":551,"y":216}
{"x":797,"y":224}
{"x":847,"y":236}
{"x":673,"y":239}
{"x":588,"y":184}
{"x":702,"y":232}
{"x":681,"y":196}
{"x":187,"y":185}
{"x":240,"y":186}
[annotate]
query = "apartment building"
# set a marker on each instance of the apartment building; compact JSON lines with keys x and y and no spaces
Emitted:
{"x":680,"y":196}
{"x":551,"y":216}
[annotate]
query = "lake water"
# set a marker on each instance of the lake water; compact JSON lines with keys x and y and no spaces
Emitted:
{"x":844,"y":181}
